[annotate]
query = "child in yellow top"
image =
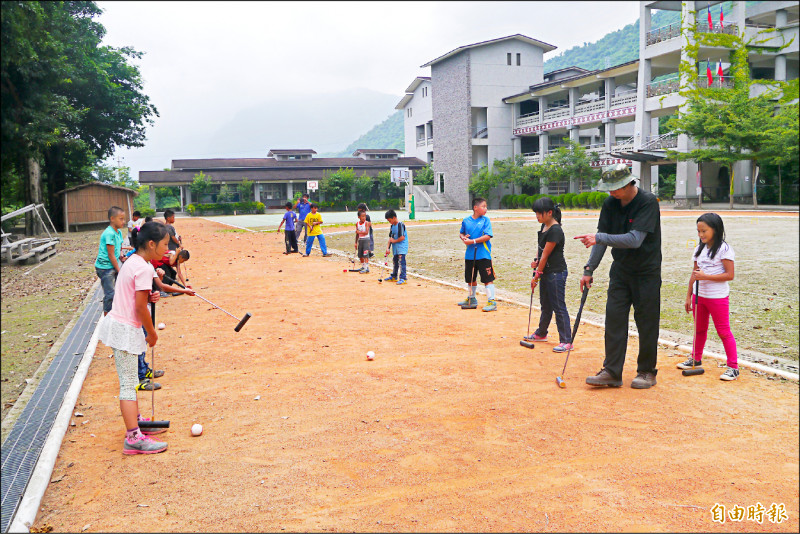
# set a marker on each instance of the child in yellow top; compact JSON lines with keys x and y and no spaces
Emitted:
{"x":313,"y":222}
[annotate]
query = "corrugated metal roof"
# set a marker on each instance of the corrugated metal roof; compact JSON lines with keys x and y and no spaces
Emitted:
{"x":101,"y":184}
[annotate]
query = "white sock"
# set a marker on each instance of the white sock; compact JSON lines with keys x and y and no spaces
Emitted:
{"x":490,"y":291}
{"x":472,"y":290}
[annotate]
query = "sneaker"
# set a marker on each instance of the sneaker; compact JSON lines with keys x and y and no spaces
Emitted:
{"x":371,"y":254}
{"x":469,"y":304}
{"x":401,"y":282}
{"x":604,"y":378}
{"x":149,"y":431}
{"x":305,"y":255}
{"x":146,"y":385}
{"x":361,"y":270}
{"x":366,"y":269}
{"x":535,"y":337}
{"x":490,"y":306}
{"x":730,"y":374}
{"x":141,"y":444}
{"x":644,"y":381}
{"x":326,"y":255}
{"x":163,"y":294}
{"x":153,"y":374}
{"x":563,"y":347}
{"x":390,"y":279}
{"x":688,"y":363}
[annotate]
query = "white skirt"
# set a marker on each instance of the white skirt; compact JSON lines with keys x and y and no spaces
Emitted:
{"x":121,"y":336}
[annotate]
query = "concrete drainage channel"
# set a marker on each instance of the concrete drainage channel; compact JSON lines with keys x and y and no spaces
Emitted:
{"x":29,"y":451}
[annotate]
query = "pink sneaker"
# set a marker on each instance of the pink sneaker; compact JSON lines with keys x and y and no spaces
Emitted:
{"x":535,"y":337}
{"x":563,"y":347}
{"x":141,"y":444}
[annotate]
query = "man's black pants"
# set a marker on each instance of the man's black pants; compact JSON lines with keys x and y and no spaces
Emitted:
{"x":643,"y":291}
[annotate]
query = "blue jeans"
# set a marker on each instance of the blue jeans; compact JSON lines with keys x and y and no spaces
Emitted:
{"x":399,"y":260}
{"x":310,"y":241}
{"x":108,"y":277}
{"x":552,"y":300}
{"x":142,"y":363}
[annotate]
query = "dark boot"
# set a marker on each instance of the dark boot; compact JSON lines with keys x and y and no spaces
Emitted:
{"x":604,"y":378}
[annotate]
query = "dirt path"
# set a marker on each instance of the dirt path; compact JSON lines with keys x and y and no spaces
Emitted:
{"x":453,"y":427}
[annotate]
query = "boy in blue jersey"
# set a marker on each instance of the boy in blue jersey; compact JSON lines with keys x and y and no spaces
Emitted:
{"x":398,"y":240}
{"x":475,"y":233}
{"x":289,"y":237}
{"x":303,"y":209}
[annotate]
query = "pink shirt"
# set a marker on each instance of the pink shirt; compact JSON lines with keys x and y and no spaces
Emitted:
{"x":135,"y":275}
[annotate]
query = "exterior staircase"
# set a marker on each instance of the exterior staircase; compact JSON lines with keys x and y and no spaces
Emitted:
{"x":441,"y":202}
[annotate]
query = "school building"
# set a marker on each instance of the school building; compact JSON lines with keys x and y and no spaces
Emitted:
{"x":492,"y":100}
{"x":275,"y":178}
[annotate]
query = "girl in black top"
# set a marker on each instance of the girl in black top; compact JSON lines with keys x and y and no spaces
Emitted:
{"x":551,"y":271}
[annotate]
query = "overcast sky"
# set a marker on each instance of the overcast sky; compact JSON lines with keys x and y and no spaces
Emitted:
{"x":207,"y":65}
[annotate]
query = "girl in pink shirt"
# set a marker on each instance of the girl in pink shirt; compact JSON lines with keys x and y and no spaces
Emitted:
{"x":121,"y":330}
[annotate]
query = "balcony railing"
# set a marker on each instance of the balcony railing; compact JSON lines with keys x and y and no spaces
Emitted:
{"x":623,"y":99}
{"x":625,"y":145}
{"x":420,"y":142}
{"x":729,"y":28}
{"x":664,"y":87}
{"x":588,"y":107}
{"x":664,"y":33}
{"x":532,"y":158}
{"x":556,"y":113}
{"x":661,"y":142}
{"x":528,"y":119}
{"x":430,"y":140}
{"x":723,"y":82}
{"x":480,"y":132}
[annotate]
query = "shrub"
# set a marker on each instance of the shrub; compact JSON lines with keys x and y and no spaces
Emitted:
{"x":569,"y":200}
{"x":505,"y":202}
{"x":583,"y":199}
{"x":147,"y":212}
{"x":600,"y":198}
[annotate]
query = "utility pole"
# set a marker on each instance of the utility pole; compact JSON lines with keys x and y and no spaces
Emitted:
{"x":119,"y":164}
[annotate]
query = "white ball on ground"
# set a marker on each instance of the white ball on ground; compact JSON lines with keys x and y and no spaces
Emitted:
{"x":370,"y":355}
{"x":197,"y":429}
{"x":161,"y":326}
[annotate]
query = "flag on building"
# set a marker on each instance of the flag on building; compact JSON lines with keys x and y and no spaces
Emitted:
{"x":721,"y":17}
{"x":710,"y":22}
{"x":719,"y":69}
{"x":709,"y":73}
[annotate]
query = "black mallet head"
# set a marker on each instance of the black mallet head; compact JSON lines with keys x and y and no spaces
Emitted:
{"x":693,"y":372}
{"x":241,"y":323}
{"x":153,"y":424}
{"x":527,"y":344}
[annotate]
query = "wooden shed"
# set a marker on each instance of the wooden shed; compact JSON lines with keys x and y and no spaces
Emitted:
{"x":86,"y":205}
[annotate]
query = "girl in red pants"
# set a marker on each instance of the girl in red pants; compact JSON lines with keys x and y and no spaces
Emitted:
{"x":713,"y":267}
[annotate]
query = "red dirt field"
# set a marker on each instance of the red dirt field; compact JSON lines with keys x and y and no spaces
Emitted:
{"x":453,"y":427}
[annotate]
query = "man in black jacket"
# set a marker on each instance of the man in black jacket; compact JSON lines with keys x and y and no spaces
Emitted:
{"x":630,"y":223}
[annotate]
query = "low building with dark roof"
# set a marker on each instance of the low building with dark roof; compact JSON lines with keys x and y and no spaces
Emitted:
{"x":277,"y":177}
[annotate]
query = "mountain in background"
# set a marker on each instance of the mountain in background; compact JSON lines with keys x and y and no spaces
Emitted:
{"x":388,"y":134}
{"x":323,"y":122}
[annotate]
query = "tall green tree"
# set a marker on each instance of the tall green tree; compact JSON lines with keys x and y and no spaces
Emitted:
{"x":67,"y":101}
{"x":363,"y":188}
{"x":729,"y":123}
{"x":337,"y":185}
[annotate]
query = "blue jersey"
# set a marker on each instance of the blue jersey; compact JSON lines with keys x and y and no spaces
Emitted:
{"x":290,"y":217}
{"x":303,"y":209}
{"x":476,"y":228}
{"x":396,"y":231}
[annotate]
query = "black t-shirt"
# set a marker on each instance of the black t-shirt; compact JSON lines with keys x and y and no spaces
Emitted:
{"x":555,"y":261}
{"x":640,"y":214}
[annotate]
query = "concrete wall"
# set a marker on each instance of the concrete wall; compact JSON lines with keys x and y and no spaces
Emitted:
{"x":422,"y":112}
{"x":451,"y":125}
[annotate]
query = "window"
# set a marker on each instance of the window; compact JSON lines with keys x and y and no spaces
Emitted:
{"x":424,"y":91}
{"x":408,"y":112}
{"x":518,"y":59}
{"x":508,"y":58}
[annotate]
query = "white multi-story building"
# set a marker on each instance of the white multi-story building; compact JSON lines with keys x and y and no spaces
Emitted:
{"x":613,"y":111}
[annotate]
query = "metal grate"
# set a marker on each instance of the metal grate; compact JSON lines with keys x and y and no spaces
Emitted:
{"x":24,"y":443}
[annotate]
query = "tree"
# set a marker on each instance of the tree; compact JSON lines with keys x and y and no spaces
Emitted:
{"x":245,"y":190}
{"x":337,"y":185}
{"x":424,"y":176}
{"x":363,"y":188}
{"x":727,"y":122}
{"x":569,"y":163}
{"x":386,"y":188}
{"x":67,"y":101}
{"x":201,"y":185}
{"x":225,"y":194}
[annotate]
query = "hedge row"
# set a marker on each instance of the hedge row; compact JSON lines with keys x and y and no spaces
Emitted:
{"x":226,"y":208}
{"x":570,"y":200}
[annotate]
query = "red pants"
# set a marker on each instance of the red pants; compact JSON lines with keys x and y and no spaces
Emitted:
{"x":719,"y":311}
